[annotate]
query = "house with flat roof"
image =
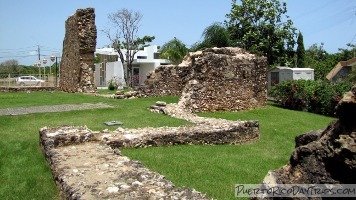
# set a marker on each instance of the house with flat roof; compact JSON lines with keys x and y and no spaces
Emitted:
{"x":280,"y":74}
{"x":342,"y":70}
{"x":111,"y":67}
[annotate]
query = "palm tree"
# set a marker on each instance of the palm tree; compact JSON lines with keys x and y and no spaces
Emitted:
{"x":216,"y":35}
{"x":174,"y":50}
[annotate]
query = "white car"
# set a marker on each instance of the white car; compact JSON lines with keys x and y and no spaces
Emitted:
{"x":28,"y":80}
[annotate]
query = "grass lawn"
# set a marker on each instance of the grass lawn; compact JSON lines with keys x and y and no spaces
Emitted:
{"x":214,"y":170}
{"x":24,"y":173}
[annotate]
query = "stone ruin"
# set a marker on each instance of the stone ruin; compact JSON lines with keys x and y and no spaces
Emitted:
{"x":76,"y":71}
{"x":88,"y":164}
{"x":215,"y":79}
{"x":326,"y":156}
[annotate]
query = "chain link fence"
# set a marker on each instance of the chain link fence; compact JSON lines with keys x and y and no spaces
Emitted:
{"x":9,"y":80}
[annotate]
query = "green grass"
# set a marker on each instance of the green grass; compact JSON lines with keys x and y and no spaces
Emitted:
{"x":216,"y":169}
{"x":24,"y":173}
{"x":107,"y":91}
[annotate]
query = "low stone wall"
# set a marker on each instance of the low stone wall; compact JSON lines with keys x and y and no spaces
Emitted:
{"x":88,"y":165}
{"x":91,"y":170}
{"x":215,"y":79}
{"x":28,"y":89}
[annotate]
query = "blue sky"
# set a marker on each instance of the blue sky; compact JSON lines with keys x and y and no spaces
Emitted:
{"x":26,"y":24}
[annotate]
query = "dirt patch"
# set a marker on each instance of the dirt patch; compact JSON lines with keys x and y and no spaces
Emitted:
{"x":53,"y":108}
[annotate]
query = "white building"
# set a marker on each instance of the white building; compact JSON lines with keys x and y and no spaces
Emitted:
{"x":280,"y":74}
{"x":145,"y":61}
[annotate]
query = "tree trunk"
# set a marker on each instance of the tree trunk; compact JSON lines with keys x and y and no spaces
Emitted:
{"x":129,"y":74}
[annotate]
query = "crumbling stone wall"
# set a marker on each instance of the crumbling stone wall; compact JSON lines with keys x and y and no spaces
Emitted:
{"x":76,"y":74}
{"x":215,"y":79}
{"x":166,"y":80}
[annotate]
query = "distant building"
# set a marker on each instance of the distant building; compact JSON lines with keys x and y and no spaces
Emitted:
{"x":111,"y":67}
{"x":280,"y":74}
{"x":342,"y":70}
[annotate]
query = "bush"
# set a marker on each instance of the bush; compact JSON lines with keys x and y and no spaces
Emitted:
{"x":111,"y":85}
{"x":319,"y":97}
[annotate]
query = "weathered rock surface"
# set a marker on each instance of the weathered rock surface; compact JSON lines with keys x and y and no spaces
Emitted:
{"x":78,"y":52}
{"x":324,"y":157}
{"x":88,"y":165}
{"x":91,"y":170}
{"x":213,"y":80}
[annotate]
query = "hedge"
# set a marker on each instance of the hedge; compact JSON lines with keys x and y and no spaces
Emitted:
{"x":319,"y":97}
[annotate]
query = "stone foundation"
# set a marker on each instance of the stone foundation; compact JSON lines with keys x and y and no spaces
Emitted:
{"x":89,"y":165}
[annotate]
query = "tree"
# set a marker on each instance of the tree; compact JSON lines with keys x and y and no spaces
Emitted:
{"x":257,"y":26}
{"x":125,"y":40}
{"x":10,"y":67}
{"x":348,"y":53}
{"x":174,"y":50}
{"x":300,"y":51}
{"x":215,"y":35}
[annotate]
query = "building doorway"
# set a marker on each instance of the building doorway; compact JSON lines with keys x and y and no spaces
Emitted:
{"x":135,"y":76}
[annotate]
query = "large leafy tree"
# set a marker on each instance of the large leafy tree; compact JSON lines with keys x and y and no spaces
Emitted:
{"x":263,"y":27}
{"x":174,"y":50}
{"x":215,"y":35}
{"x":318,"y":59}
{"x":125,"y":38}
{"x":10,"y":67}
{"x":322,"y":62}
{"x":300,"y":51}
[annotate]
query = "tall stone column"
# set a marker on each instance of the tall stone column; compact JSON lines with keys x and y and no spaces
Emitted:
{"x":76,"y":69}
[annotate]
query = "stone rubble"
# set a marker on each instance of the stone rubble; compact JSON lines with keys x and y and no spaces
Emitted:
{"x":89,"y":165}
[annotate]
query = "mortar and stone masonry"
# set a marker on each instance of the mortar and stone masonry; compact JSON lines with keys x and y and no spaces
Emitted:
{"x":89,"y":165}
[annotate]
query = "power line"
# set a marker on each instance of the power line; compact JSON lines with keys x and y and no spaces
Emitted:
{"x":353,"y":38}
{"x":17,"y":48}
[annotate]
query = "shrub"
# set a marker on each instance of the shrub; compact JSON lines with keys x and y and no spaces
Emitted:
{"x":319,"y":97}
{"x":115,"y":83}
{"x":111,"y":85}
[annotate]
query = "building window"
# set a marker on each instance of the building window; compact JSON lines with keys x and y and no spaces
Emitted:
{"x":274,"y":78}
{"x":156,"y":55}
{"x":141,"y":57}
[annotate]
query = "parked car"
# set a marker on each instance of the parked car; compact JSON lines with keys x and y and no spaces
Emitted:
{"x":28,"y":80}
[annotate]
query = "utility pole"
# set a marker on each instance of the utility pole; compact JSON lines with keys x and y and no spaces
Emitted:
{"x":39,"y":61}
{"x":39,"y":53}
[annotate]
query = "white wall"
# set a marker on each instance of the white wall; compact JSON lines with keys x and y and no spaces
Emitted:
{"x":97,"y":74}
{"x":285,"y":74}
{"x":146,"y":68}
{"x":303,"y":74}
{"x":113,"y":69}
